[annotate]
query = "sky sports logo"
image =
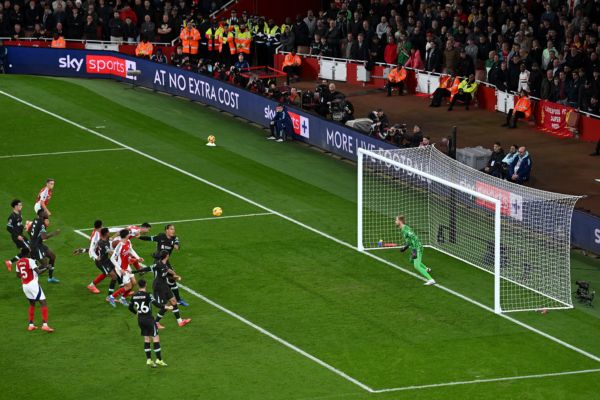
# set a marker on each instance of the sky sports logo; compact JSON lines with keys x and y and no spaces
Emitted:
{"x":101,"y":65}
{"x":301,"y":125}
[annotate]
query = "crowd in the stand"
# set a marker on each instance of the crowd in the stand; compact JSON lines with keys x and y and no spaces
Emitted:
{"x":549,"y":48}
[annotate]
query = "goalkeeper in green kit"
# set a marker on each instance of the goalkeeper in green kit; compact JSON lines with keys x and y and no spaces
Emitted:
{"x":416,"y":249}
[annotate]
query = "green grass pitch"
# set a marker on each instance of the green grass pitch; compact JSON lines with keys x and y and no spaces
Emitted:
{"x":282,"y":306}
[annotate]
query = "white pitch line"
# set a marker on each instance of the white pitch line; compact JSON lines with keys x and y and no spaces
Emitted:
{"x":62,"y":152}
{"x":301,"y":224}
{"x":266,"y":332}
{"x":191,"y":220}
{"x":510,"y":378}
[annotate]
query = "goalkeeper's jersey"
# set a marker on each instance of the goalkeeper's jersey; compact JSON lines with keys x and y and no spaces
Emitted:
{"x":411,"y":239}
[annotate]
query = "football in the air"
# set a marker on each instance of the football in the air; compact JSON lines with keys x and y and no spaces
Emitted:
{"x":217,"y":211}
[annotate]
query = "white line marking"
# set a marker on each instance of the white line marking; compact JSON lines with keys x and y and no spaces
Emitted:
{"x":510,"y":378}
{"x":301,"y":224}
{"x":191,"y":220}
{"x":266,"y":332}
{"x":61,"y":152}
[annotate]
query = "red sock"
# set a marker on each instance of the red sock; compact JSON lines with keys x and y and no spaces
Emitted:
{"x":45,"y":314}
{"x":31,"y":313}
{"x":127,"y":293}
{"x":99,"y":279}
{"x":118,"y":292}
{"x":136,"y":265}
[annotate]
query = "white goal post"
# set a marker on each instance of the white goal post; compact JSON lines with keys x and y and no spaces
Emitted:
{"x":519,"y":234}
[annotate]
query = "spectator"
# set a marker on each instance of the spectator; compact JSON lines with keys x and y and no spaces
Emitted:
{"x":362,"y":49}
{"x":301,"y":32}
{"x":348,"y":46}
{"x":433,"y":58}
{"x":494,"y":165}
{"x":148,"y":28}
{"x":390,"y":53}
{"x":404,"y":47}
{"x":523,"y":78}
{"x":466,"y":91}
{"x":492,"y":62}
{"x":416,"y":138}
{"x":38,"y":32}
{"x":395,"y":79}
{"x":159,"y":57}
{"x":75,"y":24}
{"x":315,"y":45}
{"x":287,"y":39}
{"x":117,"y":28}
{"x":311,"y":22}
{"x":381,"y":29}
{"x":592,"y":106}
{"x":519,"y":169}
{"x":375,"y":50}
{"x":574,"y":90}
{"x":535,"y":80}
{"x":464,"y":64}
{"x":130,"y":32}
{"x":522,"y":110}
{"x":166,"y":29}
{"x":90,"y":30}
{"x":451,"y":56}
{"x":546,"y":87}
{"x":425,"y":142}
{"x":333,"y":36}
{"x":415,"y":61}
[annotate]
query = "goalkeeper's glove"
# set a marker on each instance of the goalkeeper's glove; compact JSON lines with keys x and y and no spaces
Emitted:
{"x":403,"y":248}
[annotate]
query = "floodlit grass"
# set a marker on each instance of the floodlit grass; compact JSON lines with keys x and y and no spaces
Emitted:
{"x":374,"y":323}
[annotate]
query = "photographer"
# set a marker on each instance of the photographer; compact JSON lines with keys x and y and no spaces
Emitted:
{"x":281,"y":125}
{"x":380,"y":124}
{"x":396,"y":135}
{"x":292,"y":97}
{"x":273,"y":92}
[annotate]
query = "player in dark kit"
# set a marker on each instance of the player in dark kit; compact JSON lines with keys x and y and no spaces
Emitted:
{"x":141,"y":304}
{"x":162,"y":291}
{"x":167,"y":241}
{"x":39,"y":250}
{"x":14,"y":226}
{"x":103,"y":253}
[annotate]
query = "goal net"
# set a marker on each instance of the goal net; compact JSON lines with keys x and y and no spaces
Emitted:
{"x":519,"y":234}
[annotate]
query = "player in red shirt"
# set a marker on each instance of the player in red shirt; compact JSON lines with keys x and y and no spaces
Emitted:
{"x":124,"y":256}
{"x":28,"y":271}
{"x":43,"y":198}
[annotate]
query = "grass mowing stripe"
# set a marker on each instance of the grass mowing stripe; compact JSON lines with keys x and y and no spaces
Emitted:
{"x":56,"y":153}
{"x":267,"y":333}
{"x":301,"y":224}
{"x":191,"y":220}
{"x":510,"y":378}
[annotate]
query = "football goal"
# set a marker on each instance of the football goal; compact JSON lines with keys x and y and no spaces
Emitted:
{"x":520,"y":235}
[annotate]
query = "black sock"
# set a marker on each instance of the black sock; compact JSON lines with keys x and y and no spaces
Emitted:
{"x":175,"y":290}
{"x":156,"y":350}
{"x":176,"y":312}
{"x":147,"y":350}
{"x":14,"y":259}
{"x":51,"y":271}
{"x":160,"y":315}
{"x":111,"y":287}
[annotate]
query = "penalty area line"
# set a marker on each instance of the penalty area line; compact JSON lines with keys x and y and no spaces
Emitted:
{"x":57,"y":153}
{"x":476,"y":381}
{"x":296,"y":222}
{"x":190,"y":220}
